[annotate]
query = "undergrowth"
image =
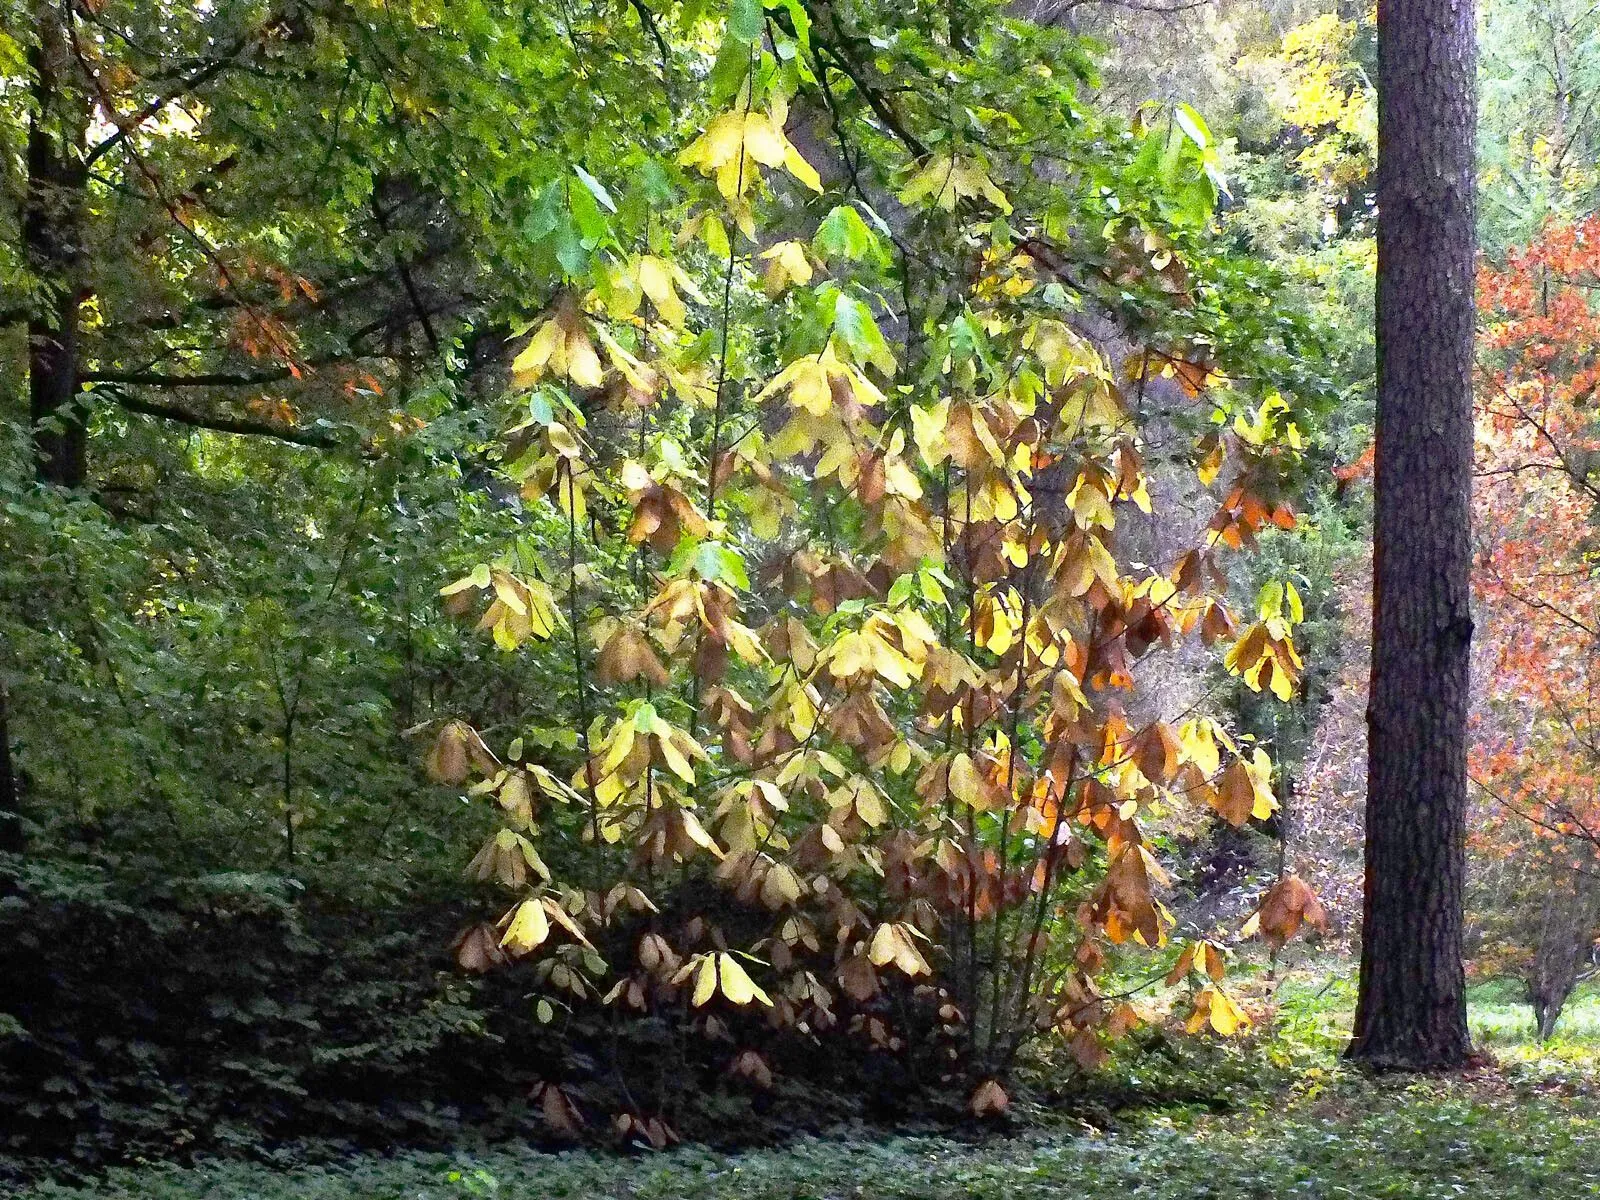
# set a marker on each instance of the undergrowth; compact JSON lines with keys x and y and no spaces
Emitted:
{"x":1275,"y":1114}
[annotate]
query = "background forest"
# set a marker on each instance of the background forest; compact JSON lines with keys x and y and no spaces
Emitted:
{"x":630,"y":572}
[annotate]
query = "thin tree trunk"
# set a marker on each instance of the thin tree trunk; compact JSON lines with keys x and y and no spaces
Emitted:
{"x":1411,"y":1011}
{"x":52,"y":236}
{"x":11,"y":841}
{"x":1569,"y":919}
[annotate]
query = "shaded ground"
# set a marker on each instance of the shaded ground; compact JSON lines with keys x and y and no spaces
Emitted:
{"x":1422,"y":1140}
{"x":1277,"y":1116}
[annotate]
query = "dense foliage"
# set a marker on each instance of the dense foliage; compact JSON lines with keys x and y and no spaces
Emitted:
{"x":885,"y":572}
{"x":816,"y":399}
{"x":638,"y":570}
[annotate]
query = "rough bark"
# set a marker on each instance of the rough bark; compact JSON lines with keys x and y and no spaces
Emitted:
{"x":52,"y":233}
{"x":1411,"y":1011}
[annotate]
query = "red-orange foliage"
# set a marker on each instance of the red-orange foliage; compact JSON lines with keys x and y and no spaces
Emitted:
{"x":1537,"y":749}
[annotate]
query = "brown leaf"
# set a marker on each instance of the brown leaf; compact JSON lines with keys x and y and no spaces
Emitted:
{"x":1123,"y":1019}
{"x":447,"y":760}
{"x":1286,"y":907}
{"x":989,"y":1099}
{"x":559,"y":1112}
{"x":749,"y":1065}
{"x":1156,"y":753}
{"x":478,"y":948}
{"x":858,"y":978}
{"x":626,"y":656}
{"x":1086,"y":1048}
{"x":1235,"y":794}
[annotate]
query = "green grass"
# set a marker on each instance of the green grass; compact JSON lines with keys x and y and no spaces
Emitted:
{"x":1499,"y":1016}
{"x":1275,"y":1116}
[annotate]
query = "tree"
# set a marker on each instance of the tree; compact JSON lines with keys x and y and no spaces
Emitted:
{"x":254,"y":269}
{"x":1569,"y":921}
{"x":1539,"y":130}
{"x":859,"y":351}
{"x":1536,"y":744}
{"x":52,"y":231}
{"x":255,"y":218}
{"x":10,"y":811}
{"x":872,"y":661}
{"x":1411,"y":1011}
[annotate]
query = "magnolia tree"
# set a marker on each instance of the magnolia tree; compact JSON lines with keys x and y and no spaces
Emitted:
{"x":826,"y":483}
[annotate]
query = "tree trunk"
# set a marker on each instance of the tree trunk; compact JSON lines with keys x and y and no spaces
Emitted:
{"x":10,"y":791}
{"x":1411,"y":1011}
{"x":1569,"y":919}
{"x":52,"y":235}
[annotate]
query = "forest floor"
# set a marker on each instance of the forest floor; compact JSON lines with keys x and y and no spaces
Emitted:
{"x":1275,"y":1116}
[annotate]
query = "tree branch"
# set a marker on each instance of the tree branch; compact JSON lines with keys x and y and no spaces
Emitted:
{"x":127,"y":125}
{"x":183,"y":416}
{"x":204,"y":379}
{"x":404,"y":269}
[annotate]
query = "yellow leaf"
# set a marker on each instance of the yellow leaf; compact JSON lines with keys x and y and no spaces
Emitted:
{"x":1199,"y":746}
{"x":870,"y":807}
{"x":529,"y":927}
{"x":737,"y":986}
{"x":698,"y":835}
{"x":883,"y":946}
{"x":968,"y":785}
{"x":1260,"y":769}
{"x":932,"y":180}
{"x":583,"y":364}
{"x":781,"y":886}
{"x":800,"y":168}
{"x":786,"y":263}
{"x":807,"y":381}
{"x":1227,"y":1018}
{"x":762,"y":141}
{"x":656,"y":281}
{"x":546,"y":342}
{"x":705,"y":980}
{"x":673,"y":757}
{"x":927,"y":430}
{"x":720,"y":143}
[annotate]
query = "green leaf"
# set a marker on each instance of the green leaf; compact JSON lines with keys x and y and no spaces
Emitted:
{"x":717,"y":562}
{"x":733,"y":567}
{"x":853,"y":322}
{"x":801,"y":20}
{"x":570,"y":250}
{"x":708,"y":562}
{"x":1192,"y":124}
{"x":645,"y":718}
{"x":843,"y":234}
{"x":596,"y":188}
{"x":746,"y":20}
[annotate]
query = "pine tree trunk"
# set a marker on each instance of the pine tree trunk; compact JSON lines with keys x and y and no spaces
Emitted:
{"x":52,"y":234}
{"x":1411,"y":1011}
